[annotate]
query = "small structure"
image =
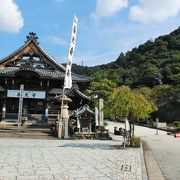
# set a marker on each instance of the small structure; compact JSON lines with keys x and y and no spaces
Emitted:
{"x":85,"y":119}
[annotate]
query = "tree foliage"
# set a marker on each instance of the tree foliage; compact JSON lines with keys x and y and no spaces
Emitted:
{"x":150,"y":64}
{"x":102,"y":88}
{"x":152,"y":68}
{"x":126,"y":103}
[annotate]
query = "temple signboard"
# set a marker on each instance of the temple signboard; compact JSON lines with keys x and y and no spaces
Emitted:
{"x":27,"y":94}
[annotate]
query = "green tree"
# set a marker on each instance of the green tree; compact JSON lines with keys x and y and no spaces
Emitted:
{"x":151,"y":75}
{"x":116,"y":75}
{"x":146,"y":92}
{"x":163,"y":91}
{"x":102,"y":88}
{"x":99,"y":74}
{"x":126,"y":103}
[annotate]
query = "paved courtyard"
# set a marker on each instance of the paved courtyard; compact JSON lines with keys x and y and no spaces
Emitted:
{"x":165,"y":149}
{"x":67,"y":159}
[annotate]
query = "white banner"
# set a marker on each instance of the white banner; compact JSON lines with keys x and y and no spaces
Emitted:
{"x":68,"y":78}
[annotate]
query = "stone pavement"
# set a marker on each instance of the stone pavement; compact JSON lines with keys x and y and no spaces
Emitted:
{"x":27,"y":159}
{"x":161,"y":152}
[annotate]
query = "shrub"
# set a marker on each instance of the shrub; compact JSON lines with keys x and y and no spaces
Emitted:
{"x":135,"y":141}
{"x":105,"y":123}
{"x":177,"y":129}
{"x":176,"y":124}
{"x":101,"y":128}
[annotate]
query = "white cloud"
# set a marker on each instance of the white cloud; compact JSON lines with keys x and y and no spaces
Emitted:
{"x":57,"y":40}
{"x":11,"y":19}
{"x":154,"y":10}
{"x":100,"y":44}
{"x":108,"y":7}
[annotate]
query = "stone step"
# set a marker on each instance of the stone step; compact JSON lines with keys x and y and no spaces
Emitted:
{"x":35,"y":131}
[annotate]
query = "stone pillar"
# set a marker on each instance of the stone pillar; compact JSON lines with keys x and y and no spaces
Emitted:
{"x":65,"y":118}
{"x":78,"y":124}
{"x":101,"y":113}
{"x":59,"y":128}
{"x":96,"y":116}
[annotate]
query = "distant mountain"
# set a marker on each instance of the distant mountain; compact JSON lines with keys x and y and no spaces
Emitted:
{"x":150,"y":64}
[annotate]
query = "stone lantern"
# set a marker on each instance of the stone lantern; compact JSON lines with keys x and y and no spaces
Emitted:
{"x":62,"y":125}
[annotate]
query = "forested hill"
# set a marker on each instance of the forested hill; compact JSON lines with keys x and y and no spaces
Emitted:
{"x":150,"y":64}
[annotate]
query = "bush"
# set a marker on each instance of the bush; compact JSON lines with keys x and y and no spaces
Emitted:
{"x":101,"y":128}
{"x":176,"y":124}
{"x":105,"y":123}
{"x":135,"y":141}
{"x":177,"y":130}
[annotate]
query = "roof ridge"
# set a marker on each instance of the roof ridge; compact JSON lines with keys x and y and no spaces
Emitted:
{"x":50,"y":57}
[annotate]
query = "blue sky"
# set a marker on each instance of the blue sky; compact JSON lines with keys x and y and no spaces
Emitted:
{"x":105,"y":28}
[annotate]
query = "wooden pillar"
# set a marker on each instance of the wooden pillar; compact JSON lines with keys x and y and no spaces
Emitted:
{"x":4,"y":110}
{"x":4,"y":100}
{"x":90,"y":126}
{"x":46,"y":111}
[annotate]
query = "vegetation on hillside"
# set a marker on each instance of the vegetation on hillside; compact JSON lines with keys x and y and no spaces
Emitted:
{"x":152,"y":63}
{"x":152,"y":70}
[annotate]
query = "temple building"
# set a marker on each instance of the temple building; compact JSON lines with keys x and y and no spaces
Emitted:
{"x":43,"y":79}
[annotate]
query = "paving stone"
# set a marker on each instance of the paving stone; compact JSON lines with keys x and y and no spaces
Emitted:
{"x":67,"y":159}
{"x":27,"y":177}
{"x":7,"y":177}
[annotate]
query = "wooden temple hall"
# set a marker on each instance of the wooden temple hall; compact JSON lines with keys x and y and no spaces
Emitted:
{"x":43,"y":79}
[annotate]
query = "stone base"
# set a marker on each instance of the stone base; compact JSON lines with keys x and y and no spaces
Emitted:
{"x":2,"y":123}
{"x":66,"y":137}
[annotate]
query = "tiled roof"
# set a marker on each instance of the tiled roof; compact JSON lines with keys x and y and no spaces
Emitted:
{"x":50,"y":58}
{"x":8,"y":71}
{"x":44,"y":73}
{"x":84,"y":109}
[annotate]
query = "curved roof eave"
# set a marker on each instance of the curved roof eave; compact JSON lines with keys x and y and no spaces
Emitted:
{"x":75,"y":77}
{"x":84,"y":109}
{"x":12,"y":54}
{"x":82,"y":95}
{"x":81,"y":78}
{"x":41,"y":50}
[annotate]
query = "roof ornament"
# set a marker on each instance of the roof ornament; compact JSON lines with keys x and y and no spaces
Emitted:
{"x":32,"y":37}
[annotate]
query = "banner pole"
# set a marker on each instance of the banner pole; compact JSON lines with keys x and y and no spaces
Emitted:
{"x":68,"y":77}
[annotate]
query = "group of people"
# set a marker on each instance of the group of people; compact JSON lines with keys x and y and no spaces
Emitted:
{"x":121,"y":131}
